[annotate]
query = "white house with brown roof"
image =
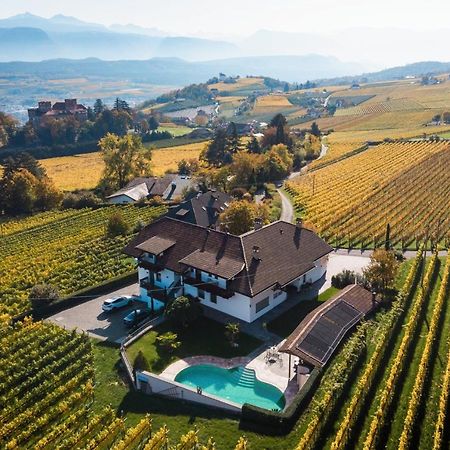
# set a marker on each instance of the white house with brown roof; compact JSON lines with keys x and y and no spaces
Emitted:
{"x":243,"y":276}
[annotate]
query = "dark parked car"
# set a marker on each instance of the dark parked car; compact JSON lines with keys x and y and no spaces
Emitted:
{"x":135,"y":316}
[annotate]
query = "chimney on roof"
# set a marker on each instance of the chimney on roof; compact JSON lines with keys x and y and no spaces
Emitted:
{"x":374,"y":298}
{"x":256,"y":254}
{"x":299,"y":222}
{"x":258,"y":223}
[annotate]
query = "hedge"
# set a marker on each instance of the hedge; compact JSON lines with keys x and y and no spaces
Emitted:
{"x":279,"y":423}
{"x":81,"y":296}
{"x":53,"y":151}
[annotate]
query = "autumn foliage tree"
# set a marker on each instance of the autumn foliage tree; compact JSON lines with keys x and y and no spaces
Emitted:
{"x":125,"y":158}
{"x":382,"y":270}
{"x":240,"y":216}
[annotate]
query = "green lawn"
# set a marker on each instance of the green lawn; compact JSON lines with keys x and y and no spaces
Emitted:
{"x":445,"y":135}
{"x":204,"y":337}
{"x":285,"y":324}
{"x":175,"y":130}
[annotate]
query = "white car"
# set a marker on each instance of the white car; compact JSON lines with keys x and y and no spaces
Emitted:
{"x":114,"y":303}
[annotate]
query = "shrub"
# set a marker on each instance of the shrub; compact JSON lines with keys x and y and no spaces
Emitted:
{"x":116,"y":225}
{"x":168,"y":342}
{"x":43,"y":294}
{"x":183,"y":310}
{"x":232,"y":333}
{"x":345,"y":278}
{"x":156,"y":201}
{"x":140,"y":224}
{"x":140,"y":363}
{"x":80,"y":200}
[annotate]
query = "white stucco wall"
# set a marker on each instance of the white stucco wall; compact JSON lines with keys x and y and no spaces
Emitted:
{"x":120,"y":200}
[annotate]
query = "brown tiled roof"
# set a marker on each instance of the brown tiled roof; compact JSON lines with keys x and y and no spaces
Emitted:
{"x":285,"y":252}
{"x":203,"y":210}
{"x":156,"y":245}
{"x":353,"y":297}
{"x":189,"y":238}
{"x":161,"y":185}
{"x":208,"y":262}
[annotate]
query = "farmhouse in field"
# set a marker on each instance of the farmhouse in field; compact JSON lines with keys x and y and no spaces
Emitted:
{"x":243,"y":276}
{"x":203,"y":209}
{"x":167,"y":187}
{"x":68,"y":108}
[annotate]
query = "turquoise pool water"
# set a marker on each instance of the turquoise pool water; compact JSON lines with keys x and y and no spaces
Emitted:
{"x":238,"y":385}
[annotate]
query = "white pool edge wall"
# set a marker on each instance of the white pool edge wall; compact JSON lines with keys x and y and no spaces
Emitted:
{"x":150,"y":383}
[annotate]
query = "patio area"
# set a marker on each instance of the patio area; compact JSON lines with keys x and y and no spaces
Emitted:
{"x":270,"y":366}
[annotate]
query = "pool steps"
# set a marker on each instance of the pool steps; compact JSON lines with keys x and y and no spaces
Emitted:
{"x":244,"y":377}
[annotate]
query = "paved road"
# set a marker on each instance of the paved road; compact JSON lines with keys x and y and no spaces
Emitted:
{"x":90,"y":317}
{"x":287,"y":210}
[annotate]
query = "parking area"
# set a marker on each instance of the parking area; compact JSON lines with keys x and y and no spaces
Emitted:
{"x":90,"y":317}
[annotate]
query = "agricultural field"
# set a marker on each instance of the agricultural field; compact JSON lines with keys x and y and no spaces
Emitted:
{"x":403,"y":184}
{"x":174,"y":129}
{"x":395,"y":400}
{"x":64,"y":410}
{"x":242,"y":84}
{"x":336,"y":151}
{"x":381,"y":107}
{"x":84,"y":171}
{"x":68,"y":249}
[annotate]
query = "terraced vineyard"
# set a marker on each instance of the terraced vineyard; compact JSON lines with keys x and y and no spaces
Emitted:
{"x":381,"y":107}
{"x":47,"y":385}
{"x":398,"y":398}
{"x":68,"y":249}
{"x":403,"y":184}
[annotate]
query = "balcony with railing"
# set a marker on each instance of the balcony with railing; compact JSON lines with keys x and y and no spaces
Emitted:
{"x":206,"y":286}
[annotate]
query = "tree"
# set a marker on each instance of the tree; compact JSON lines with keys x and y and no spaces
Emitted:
{"x":188,"y":166}
{"x":253,"y":146}
{"x":278,"y":164}
{"x":232,"y":331}
{"x":382,"y":270}
{"x":140,"y":363}
{"x":18,"y":192}
{"x":183,"y":310}
{"x":216,"y":149}
{"x":244,"y":167}
{"x":99,"y":107}
{"x":125,"y":158}
{"x":168,"y":342}
{"x":116,"y":225}
{"x":153,"y":124}
{"x":8,"y":127}
{"x":121,"y":105}
{"x":278,"y":119}
{"x":43,"y":294}
{"x":315,"y":131}
{"x":47,"y":196}
{"x":387,"y":239}
{"x":240,"y":216}
{"x":446,"y":117}
{"x":233,"y":144}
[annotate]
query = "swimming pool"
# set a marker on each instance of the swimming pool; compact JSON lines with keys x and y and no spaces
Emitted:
{"x":238,"y":385}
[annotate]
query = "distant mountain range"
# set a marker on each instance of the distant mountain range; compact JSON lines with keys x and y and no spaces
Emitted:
{"x":27,"y":37}
{"x":62,"y":36}
{"x":179,"y":72}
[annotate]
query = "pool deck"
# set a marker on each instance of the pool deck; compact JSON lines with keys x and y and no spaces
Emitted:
{"x":274,"y":373}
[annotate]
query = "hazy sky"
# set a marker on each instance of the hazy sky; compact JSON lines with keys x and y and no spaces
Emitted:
{"x":242,"y":17}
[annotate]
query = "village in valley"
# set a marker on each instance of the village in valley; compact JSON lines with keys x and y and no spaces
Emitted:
{"x":238,"y":263}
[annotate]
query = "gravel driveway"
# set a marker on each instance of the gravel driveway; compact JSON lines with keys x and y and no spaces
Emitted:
{"x":90,"y":317}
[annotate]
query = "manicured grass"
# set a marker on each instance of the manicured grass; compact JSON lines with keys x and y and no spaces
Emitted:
{"x":204,"y":337}
{"x":285,"y":324}
{"x":174,"y":130}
